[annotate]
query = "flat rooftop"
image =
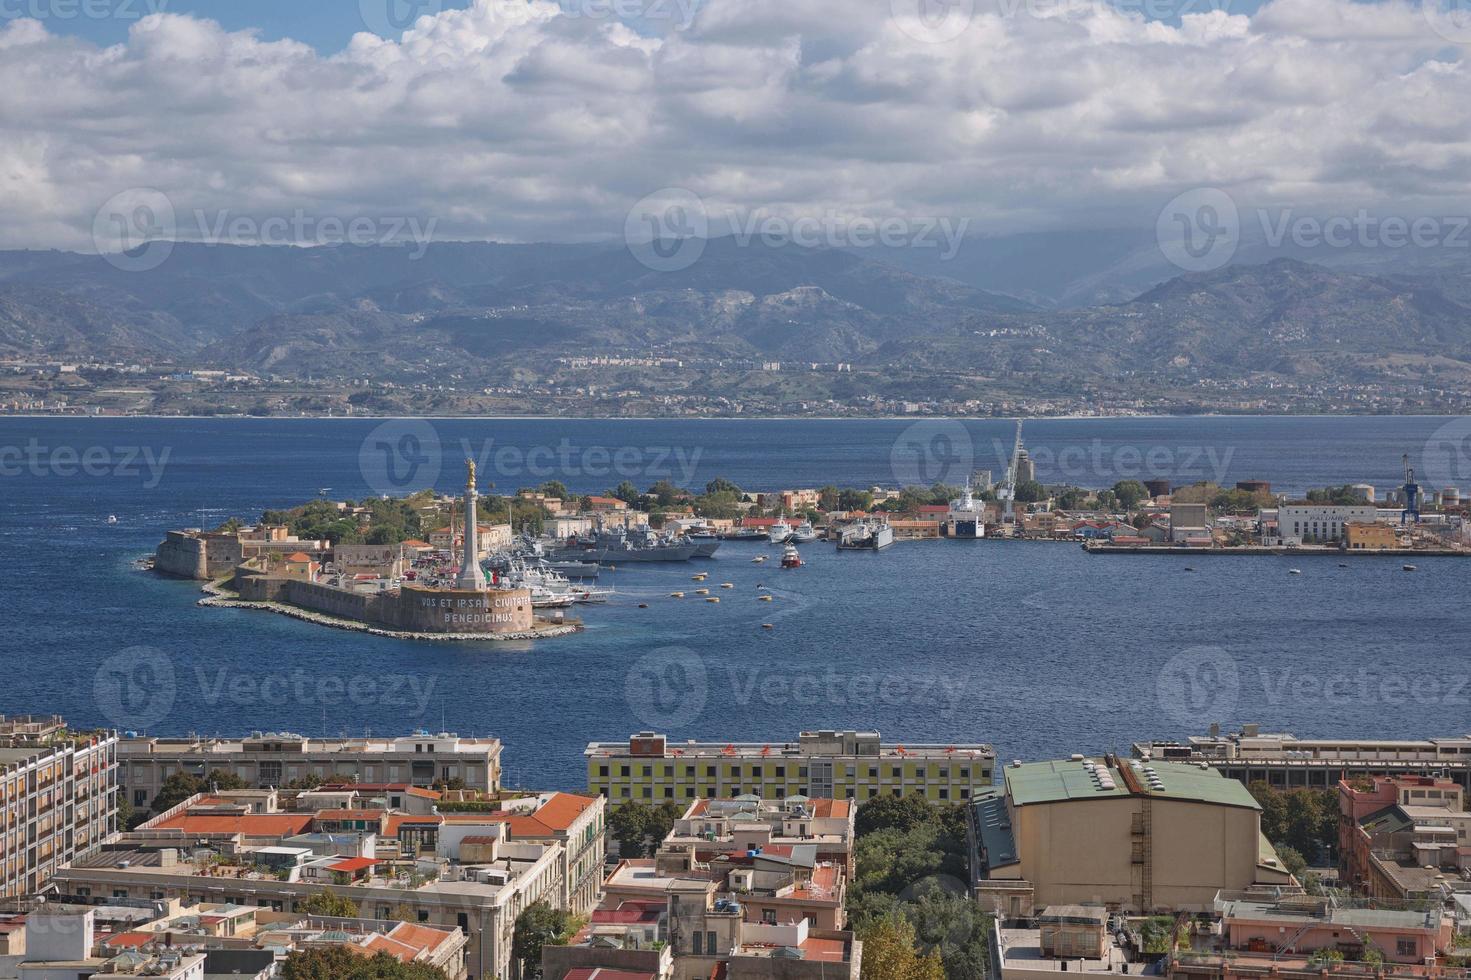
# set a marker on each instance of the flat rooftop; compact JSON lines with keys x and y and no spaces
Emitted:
{"x":894,"y":751}
{"x":1058,"y":781}
{"x":1022,"y":949}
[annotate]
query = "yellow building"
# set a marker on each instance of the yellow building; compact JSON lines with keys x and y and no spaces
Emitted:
{"x":1370,"y":537}
{"x":825,"y":764}
{"x":1136,"y":836}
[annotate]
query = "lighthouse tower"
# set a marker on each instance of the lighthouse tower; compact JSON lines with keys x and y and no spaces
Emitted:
{"x":471,"y":577}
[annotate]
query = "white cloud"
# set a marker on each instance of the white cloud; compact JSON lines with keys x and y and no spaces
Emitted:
{"x":524,"y":123}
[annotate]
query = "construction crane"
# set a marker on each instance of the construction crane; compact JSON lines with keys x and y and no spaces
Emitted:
{"x":1411,"y":491}
{"x":1007,"y":491}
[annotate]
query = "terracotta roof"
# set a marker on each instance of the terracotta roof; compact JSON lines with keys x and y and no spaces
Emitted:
{"x":421,"y":937}
{"x":299,"y":558}
{"x":402,"y":952}
{"x":342,"y":814}
{"x":130,"y":940}
{"x":353,"y":864}
{"x":603,"y":973}
{"x":555,"y":816}
{"x":250,"y":824}
{"x":396,"y":822}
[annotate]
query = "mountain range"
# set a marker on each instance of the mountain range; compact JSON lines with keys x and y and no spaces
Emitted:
{"x":487,"y":311}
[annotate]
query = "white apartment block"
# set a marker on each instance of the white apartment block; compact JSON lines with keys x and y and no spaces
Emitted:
{"x":281,"y":759}
{"x":58,"y":799}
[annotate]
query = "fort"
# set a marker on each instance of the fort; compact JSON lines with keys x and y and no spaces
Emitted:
{"x":269,"y":567}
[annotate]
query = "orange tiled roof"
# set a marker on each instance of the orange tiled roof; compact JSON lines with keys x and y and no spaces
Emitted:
{"x":555,"y":816}
{"x":250,"y":824}
{"x":420,"y":937}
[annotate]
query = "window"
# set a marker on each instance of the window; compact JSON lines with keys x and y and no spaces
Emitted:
{"x":648,"y":771}
{"x":768,"y":917}
{"x":873,"y":772}
{"x":603,"y":771}
{"x":944,"y":793}
{"x":648,"y":792}
{"x":668,"y":792}
{"x":699,"y":943}
{"x":423,"y":916}
{"x":710,"y":942}
{"x":623,"y":771}
{"x":1406,"y":946}
{"x":463,"y":921}
{"x":735,"y":772}
{"x":781,"y":772}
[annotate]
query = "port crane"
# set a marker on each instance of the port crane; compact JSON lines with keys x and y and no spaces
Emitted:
{"x":1007,"y":491}
{"x":1411,"y":491}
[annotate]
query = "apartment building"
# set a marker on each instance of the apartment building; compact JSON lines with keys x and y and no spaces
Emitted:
{"x":843,"y":765}
{"x":471,"y":871}
{"x":58,"y":798}
{"x":1285,"y":761}
{"x":281,"y":759}
{"x":1404,"y":838}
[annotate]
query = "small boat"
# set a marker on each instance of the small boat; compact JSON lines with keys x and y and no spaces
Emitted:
{"x":699,"y":578}
{"x":702,"y":592}
{"x":763,"y":598}
{"x":676,"y":595}
{"x":712,"y":599}
{"x":803,"y":533}
{"x":790,"y":558}
{"x":1343,"y":564}
{"x":767,"y":626}
{"x":112,"y":518}
{"x":1189,"y":568}
{"x":727,"y":585}
{"x":1294,"y":571}
{"x":643,"y":605}
{"x":759,"y":559}
{"x":1409,"y":568}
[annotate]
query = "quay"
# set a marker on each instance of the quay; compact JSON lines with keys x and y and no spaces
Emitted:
{"x":1104,"y":548}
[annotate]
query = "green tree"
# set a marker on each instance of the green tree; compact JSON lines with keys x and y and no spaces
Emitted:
{"x":626,"y":492}
{"x":339,"y":963}
{"x":328,"y":904}
{"x":1030,"y":492}
{"x":181,"y":785}
{"x":555,"y":489}
{"x":536,"y":926}
{"x":721,"y":485}
{"x":1129,"y":493}
{"x":855,"y":500}
{"x":890,"y":953}
{"x":1293,"y":860}
{"x":1073,"y":498}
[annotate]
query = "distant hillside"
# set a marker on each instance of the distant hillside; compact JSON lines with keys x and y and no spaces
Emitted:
{"x":488,"y":311}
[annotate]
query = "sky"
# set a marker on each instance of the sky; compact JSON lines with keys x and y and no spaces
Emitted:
{"x":301,"y":120}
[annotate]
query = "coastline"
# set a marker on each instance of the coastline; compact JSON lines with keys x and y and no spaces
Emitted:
{"x":726,"y":418}
{"x":218,"y":597}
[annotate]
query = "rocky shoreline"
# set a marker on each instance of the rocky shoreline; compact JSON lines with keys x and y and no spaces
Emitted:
{"x":219,"y":597}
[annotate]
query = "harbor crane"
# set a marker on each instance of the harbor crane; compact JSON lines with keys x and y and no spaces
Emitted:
{"x":1411,"y":490}
{"x":1007,"y":491}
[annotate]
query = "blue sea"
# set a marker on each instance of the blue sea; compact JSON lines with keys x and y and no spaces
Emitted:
{"x":1037,"y":648}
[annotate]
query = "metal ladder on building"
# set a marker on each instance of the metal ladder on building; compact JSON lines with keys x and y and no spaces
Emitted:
{"x":1146,"y":871}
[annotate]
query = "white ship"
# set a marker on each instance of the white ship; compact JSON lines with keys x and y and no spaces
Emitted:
{"x":966,"y":520}
{"x":780,"y":531}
